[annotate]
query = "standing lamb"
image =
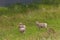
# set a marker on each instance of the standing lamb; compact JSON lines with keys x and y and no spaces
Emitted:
{"x":22,"y":28}
{"x":41,"y":25}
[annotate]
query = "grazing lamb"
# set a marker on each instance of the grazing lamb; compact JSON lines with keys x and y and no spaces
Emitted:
{"x":41,"y":25}
{"x":22,"y":28}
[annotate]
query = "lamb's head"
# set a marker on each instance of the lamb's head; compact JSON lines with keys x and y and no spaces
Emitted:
{"x":37,"y":22}
{"x":20,"y":23}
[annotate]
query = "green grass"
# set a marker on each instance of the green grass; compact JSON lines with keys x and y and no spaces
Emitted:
{"x":46,"y":13}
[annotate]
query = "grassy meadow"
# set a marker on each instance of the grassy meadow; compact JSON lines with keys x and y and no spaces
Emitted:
{"x":10,"y":18}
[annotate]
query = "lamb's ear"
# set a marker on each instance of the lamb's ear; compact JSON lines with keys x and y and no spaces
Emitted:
{"x":37,"y":22}
{"x":25,"y":26}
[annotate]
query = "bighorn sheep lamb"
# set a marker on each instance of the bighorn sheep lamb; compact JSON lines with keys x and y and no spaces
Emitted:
{"x":22,"y":28}
{"x":41,"y":25}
